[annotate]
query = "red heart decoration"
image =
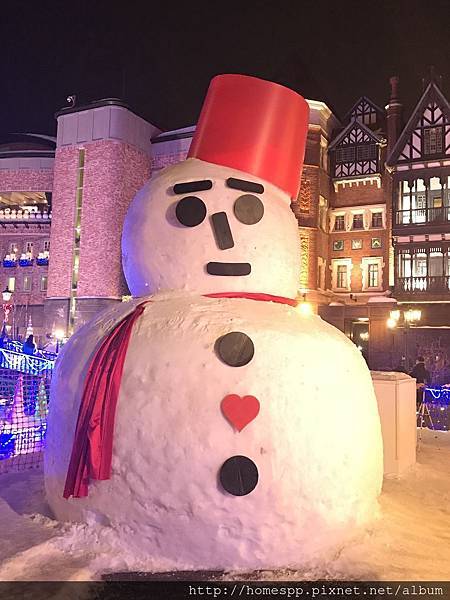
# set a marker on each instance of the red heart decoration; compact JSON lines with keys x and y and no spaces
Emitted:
{"x":240,"y":411}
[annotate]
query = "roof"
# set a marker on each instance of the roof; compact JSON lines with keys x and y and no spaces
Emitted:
{"x":431,"y":92}
{"x":27,"y":145}
{"x":367,"y":100}
{"x":350,"y":126}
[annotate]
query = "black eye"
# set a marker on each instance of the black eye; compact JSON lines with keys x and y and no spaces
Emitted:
{"x":248,"y":209}
{"x":190,"y":211}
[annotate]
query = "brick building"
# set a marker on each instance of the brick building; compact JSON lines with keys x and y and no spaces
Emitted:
{"x":26,"y":176}
{"x":373,"y":214}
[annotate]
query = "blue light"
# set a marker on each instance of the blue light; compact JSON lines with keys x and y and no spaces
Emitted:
{"x":437,"y":395}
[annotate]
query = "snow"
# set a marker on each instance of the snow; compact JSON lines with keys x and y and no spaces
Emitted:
{"x":170,"y":438}
{"x":159,"y":254}
{"x":409,"y":541}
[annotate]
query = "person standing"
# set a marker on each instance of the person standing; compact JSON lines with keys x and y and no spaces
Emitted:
{"x":29,"y":346}
{"x":422,"y":377}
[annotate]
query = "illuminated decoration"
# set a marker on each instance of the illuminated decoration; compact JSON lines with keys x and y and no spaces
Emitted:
{"x":437,"y":401}
{"x":24,"y":390}
{"x":41,"y":401}
{"x":391,"y":266}
{"x":10,"y":260}
{"x":42,"y":258}
{"x":304,"y":197}
{"x":29,"y":330}
{"x":304,"y":260}
{"x":24,"y":363}
{"x":77,"y":237}
{"x":26,"y":260}
{"x":440,"y":394}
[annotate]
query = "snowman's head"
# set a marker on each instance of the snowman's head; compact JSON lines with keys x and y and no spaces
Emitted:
{"x":204,"y":228}
{"x":221,"y":220}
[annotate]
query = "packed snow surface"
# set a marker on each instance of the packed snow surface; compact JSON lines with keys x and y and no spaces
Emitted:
{"x":409,"y":541}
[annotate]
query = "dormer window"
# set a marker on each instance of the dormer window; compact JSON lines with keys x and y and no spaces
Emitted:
{"x":432,"y":140}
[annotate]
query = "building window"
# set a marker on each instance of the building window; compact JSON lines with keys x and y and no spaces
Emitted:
{"x":339,"y":223}
{"x":338,"y":245}
{"x":377,"y":219}
{"x":367,"y":152}
{"x":44,"y":280}
{"x":432,"y":140}
{"x":357,"y":244}
{"x":358,"y":221}
{"x":376,"y":243}
{"x":341,"y":276}
{"x":419,"y":266}
{"x":46,"y":245}
{"x":11,"y":285}
{"x":29,"y":247}
{"x":345,"y":154}
{"x":13,"y":248}
{"x":27,"y":283}
{"x":372,"y":275}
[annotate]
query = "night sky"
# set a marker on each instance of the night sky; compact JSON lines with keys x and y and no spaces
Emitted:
{"x":159,"y":58}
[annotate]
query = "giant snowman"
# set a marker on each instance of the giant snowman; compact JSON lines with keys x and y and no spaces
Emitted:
{"x":208,"y":421}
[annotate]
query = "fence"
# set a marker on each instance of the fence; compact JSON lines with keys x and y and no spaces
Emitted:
{"x":24,"y":393}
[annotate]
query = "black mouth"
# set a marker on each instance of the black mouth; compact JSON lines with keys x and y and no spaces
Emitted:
{"x":219,"y":268}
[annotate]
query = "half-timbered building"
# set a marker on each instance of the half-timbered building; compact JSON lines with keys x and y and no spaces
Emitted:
{"x":420,"y":163}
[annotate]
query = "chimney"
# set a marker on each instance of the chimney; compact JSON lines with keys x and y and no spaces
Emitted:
{"x":394,"y":112}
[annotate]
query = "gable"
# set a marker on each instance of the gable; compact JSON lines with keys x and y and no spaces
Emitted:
{"x":427,"y":134}
{"x":355,"y":151}
{"x":365,"y":111}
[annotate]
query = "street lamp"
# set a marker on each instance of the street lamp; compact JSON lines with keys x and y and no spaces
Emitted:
{"x":410,"y":317}
{"x":59,"y":335}
{"x":304,"y":307}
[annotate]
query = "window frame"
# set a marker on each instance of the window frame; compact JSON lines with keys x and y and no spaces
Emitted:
{"x":30,"y":279}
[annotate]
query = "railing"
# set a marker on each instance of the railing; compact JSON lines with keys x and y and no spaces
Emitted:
{"x":24,"y":216}
{"x":419,"y":216}
{"x":430,"y":284}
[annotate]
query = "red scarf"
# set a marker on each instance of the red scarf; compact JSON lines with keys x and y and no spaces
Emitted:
{"x":92,"y":446}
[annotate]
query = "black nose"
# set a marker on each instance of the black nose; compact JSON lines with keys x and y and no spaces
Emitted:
{"x":222,"y":231}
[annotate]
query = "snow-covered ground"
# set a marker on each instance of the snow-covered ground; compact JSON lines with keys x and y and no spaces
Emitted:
{"x":409,"y":541}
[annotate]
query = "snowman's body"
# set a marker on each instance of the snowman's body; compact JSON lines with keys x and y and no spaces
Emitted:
{"x":199,"y":228}
{"x":315,"y":440}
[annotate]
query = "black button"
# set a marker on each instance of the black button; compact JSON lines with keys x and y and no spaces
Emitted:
{"x":238,"y":475}
{"x":235,"y":349}
{"x":190,"y":211}
{"x":248,"y":209}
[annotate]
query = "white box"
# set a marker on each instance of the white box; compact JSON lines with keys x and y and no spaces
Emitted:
{"x":396,"y":397}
